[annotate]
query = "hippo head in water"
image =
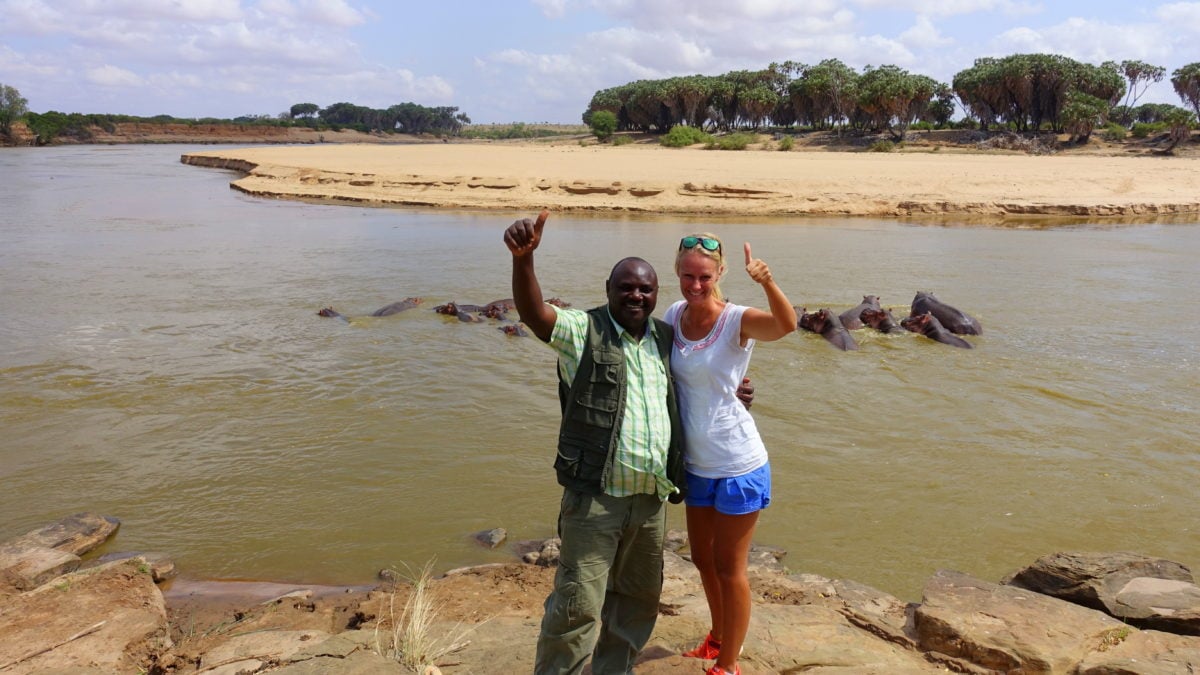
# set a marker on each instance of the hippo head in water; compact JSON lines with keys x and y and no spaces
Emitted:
{"x":495,"y":311}
{"x":879,"y":319}
{"x":829,"y":326}
{"x":810,"y":321}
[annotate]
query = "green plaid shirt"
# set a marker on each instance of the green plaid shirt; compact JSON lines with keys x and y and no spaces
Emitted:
{"x":641,"y":456}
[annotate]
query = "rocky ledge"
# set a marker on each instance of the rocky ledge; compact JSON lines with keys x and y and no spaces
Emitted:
{"x":1069,"y":613}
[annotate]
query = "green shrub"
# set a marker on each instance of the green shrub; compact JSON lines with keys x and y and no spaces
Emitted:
{"x":882,"y":146}
{"x":735,"y":141}
{"x":680,"y":137}
{"x":1147,"y":129}
{"x":499,"y":132}
{"x":604,"y":123}
{"x":786,"y":143}
{"x":622,"y":140}
{"x":1114,"y":132}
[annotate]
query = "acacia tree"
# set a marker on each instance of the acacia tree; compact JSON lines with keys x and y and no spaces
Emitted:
{"x":1186,"y":81}
{"x":12,"y":108}
{"x":304,"y":110}
{"x":892,"y":98}
{"x":1027,"y":90}
{"x":825,"y":93}
{"x":1179,"y":125}
{"x":1082,"y":113}
{"x":941,"y":107}
{"x":783,"y":74}
{"x":1138,"y":73}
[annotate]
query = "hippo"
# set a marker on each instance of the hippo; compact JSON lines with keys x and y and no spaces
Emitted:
{"x":397,"y":307}
{"x":829,"y":326}
{"x":455,"y":309}
{"x":928,"y":325}
{"x":513,"y":329}
{"x":505,"y":304}
{"x":558,"y":302}
{"x":851,"y":317}
{"x":880,"y":319}
{"x":468,"y":317}
{"x":953,"y":320}
{"x":394,"y":308}
{"x":498,"y":309}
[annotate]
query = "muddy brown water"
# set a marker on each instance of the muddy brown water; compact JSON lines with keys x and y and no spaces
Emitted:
{"x":162,"y":362}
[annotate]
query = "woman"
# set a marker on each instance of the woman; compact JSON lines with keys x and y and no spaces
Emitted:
{"x":728,"y":477}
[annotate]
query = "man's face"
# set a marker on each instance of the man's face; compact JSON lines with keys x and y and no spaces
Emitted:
{"x":632,"y":294}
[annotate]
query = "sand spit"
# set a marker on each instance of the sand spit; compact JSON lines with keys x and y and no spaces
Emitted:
{"x":653,"y":179}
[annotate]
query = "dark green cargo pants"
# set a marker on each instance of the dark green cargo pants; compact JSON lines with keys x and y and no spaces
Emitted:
{"x":610,"y":572}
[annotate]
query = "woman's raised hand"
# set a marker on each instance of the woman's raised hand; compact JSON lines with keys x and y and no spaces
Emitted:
{"x":756,"y":268}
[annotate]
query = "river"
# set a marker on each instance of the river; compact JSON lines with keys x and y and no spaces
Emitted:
{"x":162,"y":362}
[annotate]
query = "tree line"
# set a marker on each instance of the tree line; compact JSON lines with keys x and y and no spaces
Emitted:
{"x":1024,"y":92}
{"x":409,"y":118}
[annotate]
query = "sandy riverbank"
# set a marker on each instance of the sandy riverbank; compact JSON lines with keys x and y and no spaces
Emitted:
{"x":653,"y":179}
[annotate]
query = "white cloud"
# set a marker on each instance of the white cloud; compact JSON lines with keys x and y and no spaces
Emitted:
{"x":1092,"y":41}
{"x":177,"y":10}
{"x":924,"y":34}
{"x":16,"y":67}
{"x":332,"y":12}
{"x":1180,"y":15}
{"x":954,"y":7}
{"x":112,"y":76}
{"x":552,"y":9}
{"x":29,"y":17}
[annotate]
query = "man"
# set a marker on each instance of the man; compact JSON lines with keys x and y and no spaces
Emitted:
{"x":619,"y":456}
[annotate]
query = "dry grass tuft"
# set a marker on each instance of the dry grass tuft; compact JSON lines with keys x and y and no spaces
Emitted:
{"x":408,"y":635}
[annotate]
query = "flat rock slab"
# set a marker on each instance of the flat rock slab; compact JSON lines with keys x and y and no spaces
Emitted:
{"x":1006,"y":628}
{"x":360,"y":662}
{"x":111,"y":618}
{"x":503,"y":644}
{"x":812,"y":639}
{"x":75,"y":534}
{"x":1144,"y":591}
{"x":1146,"y":652}
{"x":36,"y":557}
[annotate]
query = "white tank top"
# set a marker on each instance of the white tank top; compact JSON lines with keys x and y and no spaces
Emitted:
{"x":720,"y":437}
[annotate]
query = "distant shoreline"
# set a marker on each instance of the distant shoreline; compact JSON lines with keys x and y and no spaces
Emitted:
{"x":990,"y":188}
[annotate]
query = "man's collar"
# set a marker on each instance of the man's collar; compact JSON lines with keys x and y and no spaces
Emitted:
{"x":650,"y":327}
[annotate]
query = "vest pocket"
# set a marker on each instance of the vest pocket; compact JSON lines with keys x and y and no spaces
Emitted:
{"x":582,"y":454}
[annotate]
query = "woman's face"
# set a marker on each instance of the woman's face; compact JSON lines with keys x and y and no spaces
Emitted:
{"x":698,"y":274}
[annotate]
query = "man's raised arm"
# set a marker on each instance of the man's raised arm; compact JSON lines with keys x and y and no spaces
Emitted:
{"x":522,"y":238}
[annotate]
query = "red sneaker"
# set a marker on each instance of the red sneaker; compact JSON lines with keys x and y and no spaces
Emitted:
{"x":718,"y":670}
{"x":709,"y":649}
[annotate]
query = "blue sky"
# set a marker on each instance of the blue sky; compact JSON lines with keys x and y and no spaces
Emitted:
{"x":523,"y":60}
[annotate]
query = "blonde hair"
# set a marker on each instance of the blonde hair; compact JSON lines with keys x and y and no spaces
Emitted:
{"x":718,"y":256}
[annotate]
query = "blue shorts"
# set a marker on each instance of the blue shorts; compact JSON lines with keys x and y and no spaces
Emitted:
{"x":735,"y":496}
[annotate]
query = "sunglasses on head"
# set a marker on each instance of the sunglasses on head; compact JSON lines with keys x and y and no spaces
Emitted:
{"x":692,"y":242}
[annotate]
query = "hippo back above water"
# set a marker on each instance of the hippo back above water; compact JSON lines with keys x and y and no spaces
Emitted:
{"x":397,"y":307}
{"x":852,"y":318}
{"x":951,"y":318}
{"x":928,"y":325}
{"x":394,"y":308}
{"x":827,"y":324}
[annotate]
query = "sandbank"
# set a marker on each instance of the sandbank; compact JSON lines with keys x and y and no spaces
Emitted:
{"x":693,"y":181}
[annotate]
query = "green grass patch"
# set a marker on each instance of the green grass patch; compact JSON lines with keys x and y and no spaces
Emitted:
{"x":681,"y":136}
{"x":734,"y":141}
